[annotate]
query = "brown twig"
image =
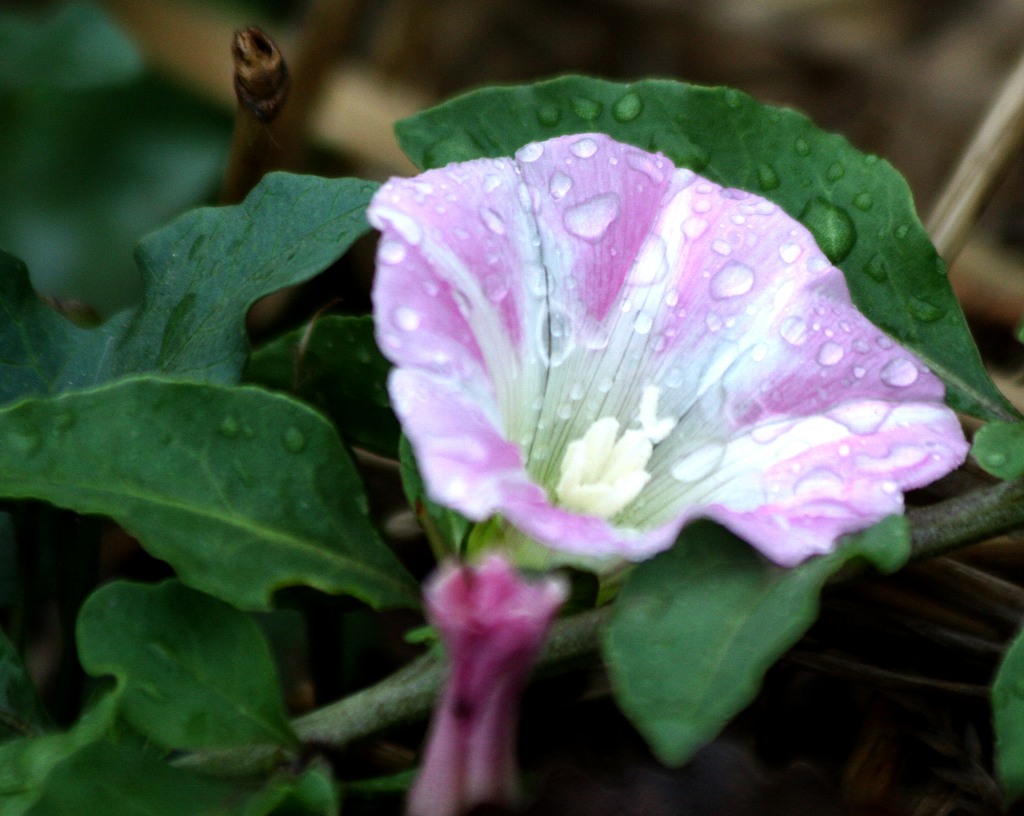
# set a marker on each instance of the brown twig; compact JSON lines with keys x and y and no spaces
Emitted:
{"x":261,"y":86}
{"x":995,"y":143}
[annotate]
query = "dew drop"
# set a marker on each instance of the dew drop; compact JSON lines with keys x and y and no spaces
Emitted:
{"x":794,"y":330}
{"x":405,"y":225}
{"x":713,"y":322}
{"x":406,"y":319}
{"x":229,"y":427}
{"x":587,"y":109}
{"x":835,"y":172}
{"x":652,"y":168}
{"x":830,"y":353}
{"x":694,"y":228}
{"x":863,"y":201}
{"x":924,"y":310}
{"x":901,"y":231}
{"x":859,"y":372}
{"x":817,"y":481}
{"x":530,"y":152}
{"x":492,"y":181}
{"x":831,"y":227}
{"x":584,"y":148}
{"x":767,"y":178}
{"x":759,"y":352}
{"x":789,"y":252}
{"x":732,"y":280}
{"x":733,"y":98}
{"x":591,"y":219}
{"x":721,"y":247}
{"x":876,"y":268}
{"x":549,"y":115}
{"x":628,"y":107}
{"x":559,"y":185}
{"x":643,"y":323}
{"x":294,"y":440}
{"x":495,"y":223}
{"x":496,"y":288}
{"x":802,"y":147}
{"x":899,"y":373}
{"x":995,"y":459}
{"x":699,"y":464}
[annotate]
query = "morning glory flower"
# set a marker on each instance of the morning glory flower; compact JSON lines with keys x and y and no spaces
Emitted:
{"x":492,"y":624}
{"x":598,"y":347}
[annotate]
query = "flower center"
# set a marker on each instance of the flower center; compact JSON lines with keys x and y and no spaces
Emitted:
{"x":603,"y":472}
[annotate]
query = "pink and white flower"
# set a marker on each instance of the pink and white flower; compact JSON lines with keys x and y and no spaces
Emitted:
{"x":492,"y":624}
{"x":599,"y":347}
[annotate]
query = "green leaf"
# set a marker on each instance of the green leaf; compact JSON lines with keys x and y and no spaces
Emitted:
{"x":74,"y":47}
{"x":1008,"y":719}
{"x":21,"y":713}
{"x":202,"y":273}
{"x":193,"y":671}
{"x":999,"y":448}
{"x":334,"y":364}
{"x":312,"y":793}
{"x":127,"y":778}
{"x":695,"y":629}
{"x":241,"y":490}
{"x":858,"y":207}
{"x":26,"y":764}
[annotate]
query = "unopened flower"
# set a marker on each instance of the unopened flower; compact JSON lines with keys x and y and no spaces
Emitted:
{"x":599,"y":347}
{"x":492,"y":624}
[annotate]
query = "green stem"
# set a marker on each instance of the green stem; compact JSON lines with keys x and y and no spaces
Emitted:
{"x":965,"y":519}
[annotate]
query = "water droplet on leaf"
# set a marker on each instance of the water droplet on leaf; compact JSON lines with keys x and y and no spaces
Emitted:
{"x":835,"y":172}
{"x":925,"y":310}
{"x":802,"y":147}
{"x":549,"y":115}
{"x":628,"y":108}
{"x":767,"y":178}
{"x":229,"y":427}
{"x":863,"y":201}
{"x":294,"y":440}
{"x":876,"y":268}
{"x":831,"y":227}
{"x":588,"y":109}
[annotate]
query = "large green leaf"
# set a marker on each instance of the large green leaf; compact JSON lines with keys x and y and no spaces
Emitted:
{"x":193,"y":671}
{"x":696,"y":628}
{"x":74,"y":47}
{"x":241,"y":490}
{"x":21,"y":713}
{"x":201,"y":275}
{"x":335,"y":365}
{"x":858,"y":207}
{"x":1008,"y":719}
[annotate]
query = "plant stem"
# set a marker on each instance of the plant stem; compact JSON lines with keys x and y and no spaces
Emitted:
{"x":970,"y":517}
{"x":995,"y":143}
{"x":261,"y":85}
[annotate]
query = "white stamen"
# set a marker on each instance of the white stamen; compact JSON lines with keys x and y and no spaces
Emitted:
{"x":600,"y":475}
{"x":653,"y":428}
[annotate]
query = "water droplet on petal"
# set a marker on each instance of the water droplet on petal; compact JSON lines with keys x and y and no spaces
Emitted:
{"x":646,"y":164}
{"x":899,"y":373}
{"x":584,"y":148}
{"x":294,"y":440}
{"x":495,"y":223}
{"x":732,"y":280}
{"x":496,"y":288}
{"x":699,"y":464}
{"x":559,"y":185}
{"x":759,"y":352}
{"x":830,"y":353}
{"x":831,"y":227}
{"x":591,"y":219}
{"x":392,"y":251}
{"x":721,"y":247}
{"x":643,"y":323}
{"x":817,"y":481}
{"x":406,"y":319}
{"x":492,"y":181}
{"x":693,"y":228}
{"x":859,"y":371}
{"x":789,"y":252}
{"x":713,"y":322}
{"x":794,"y":330}
{"x":628,"y":108}
{"x":404,"y":225}
{"x":767,"y":178}
{"x":531,"y":152}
